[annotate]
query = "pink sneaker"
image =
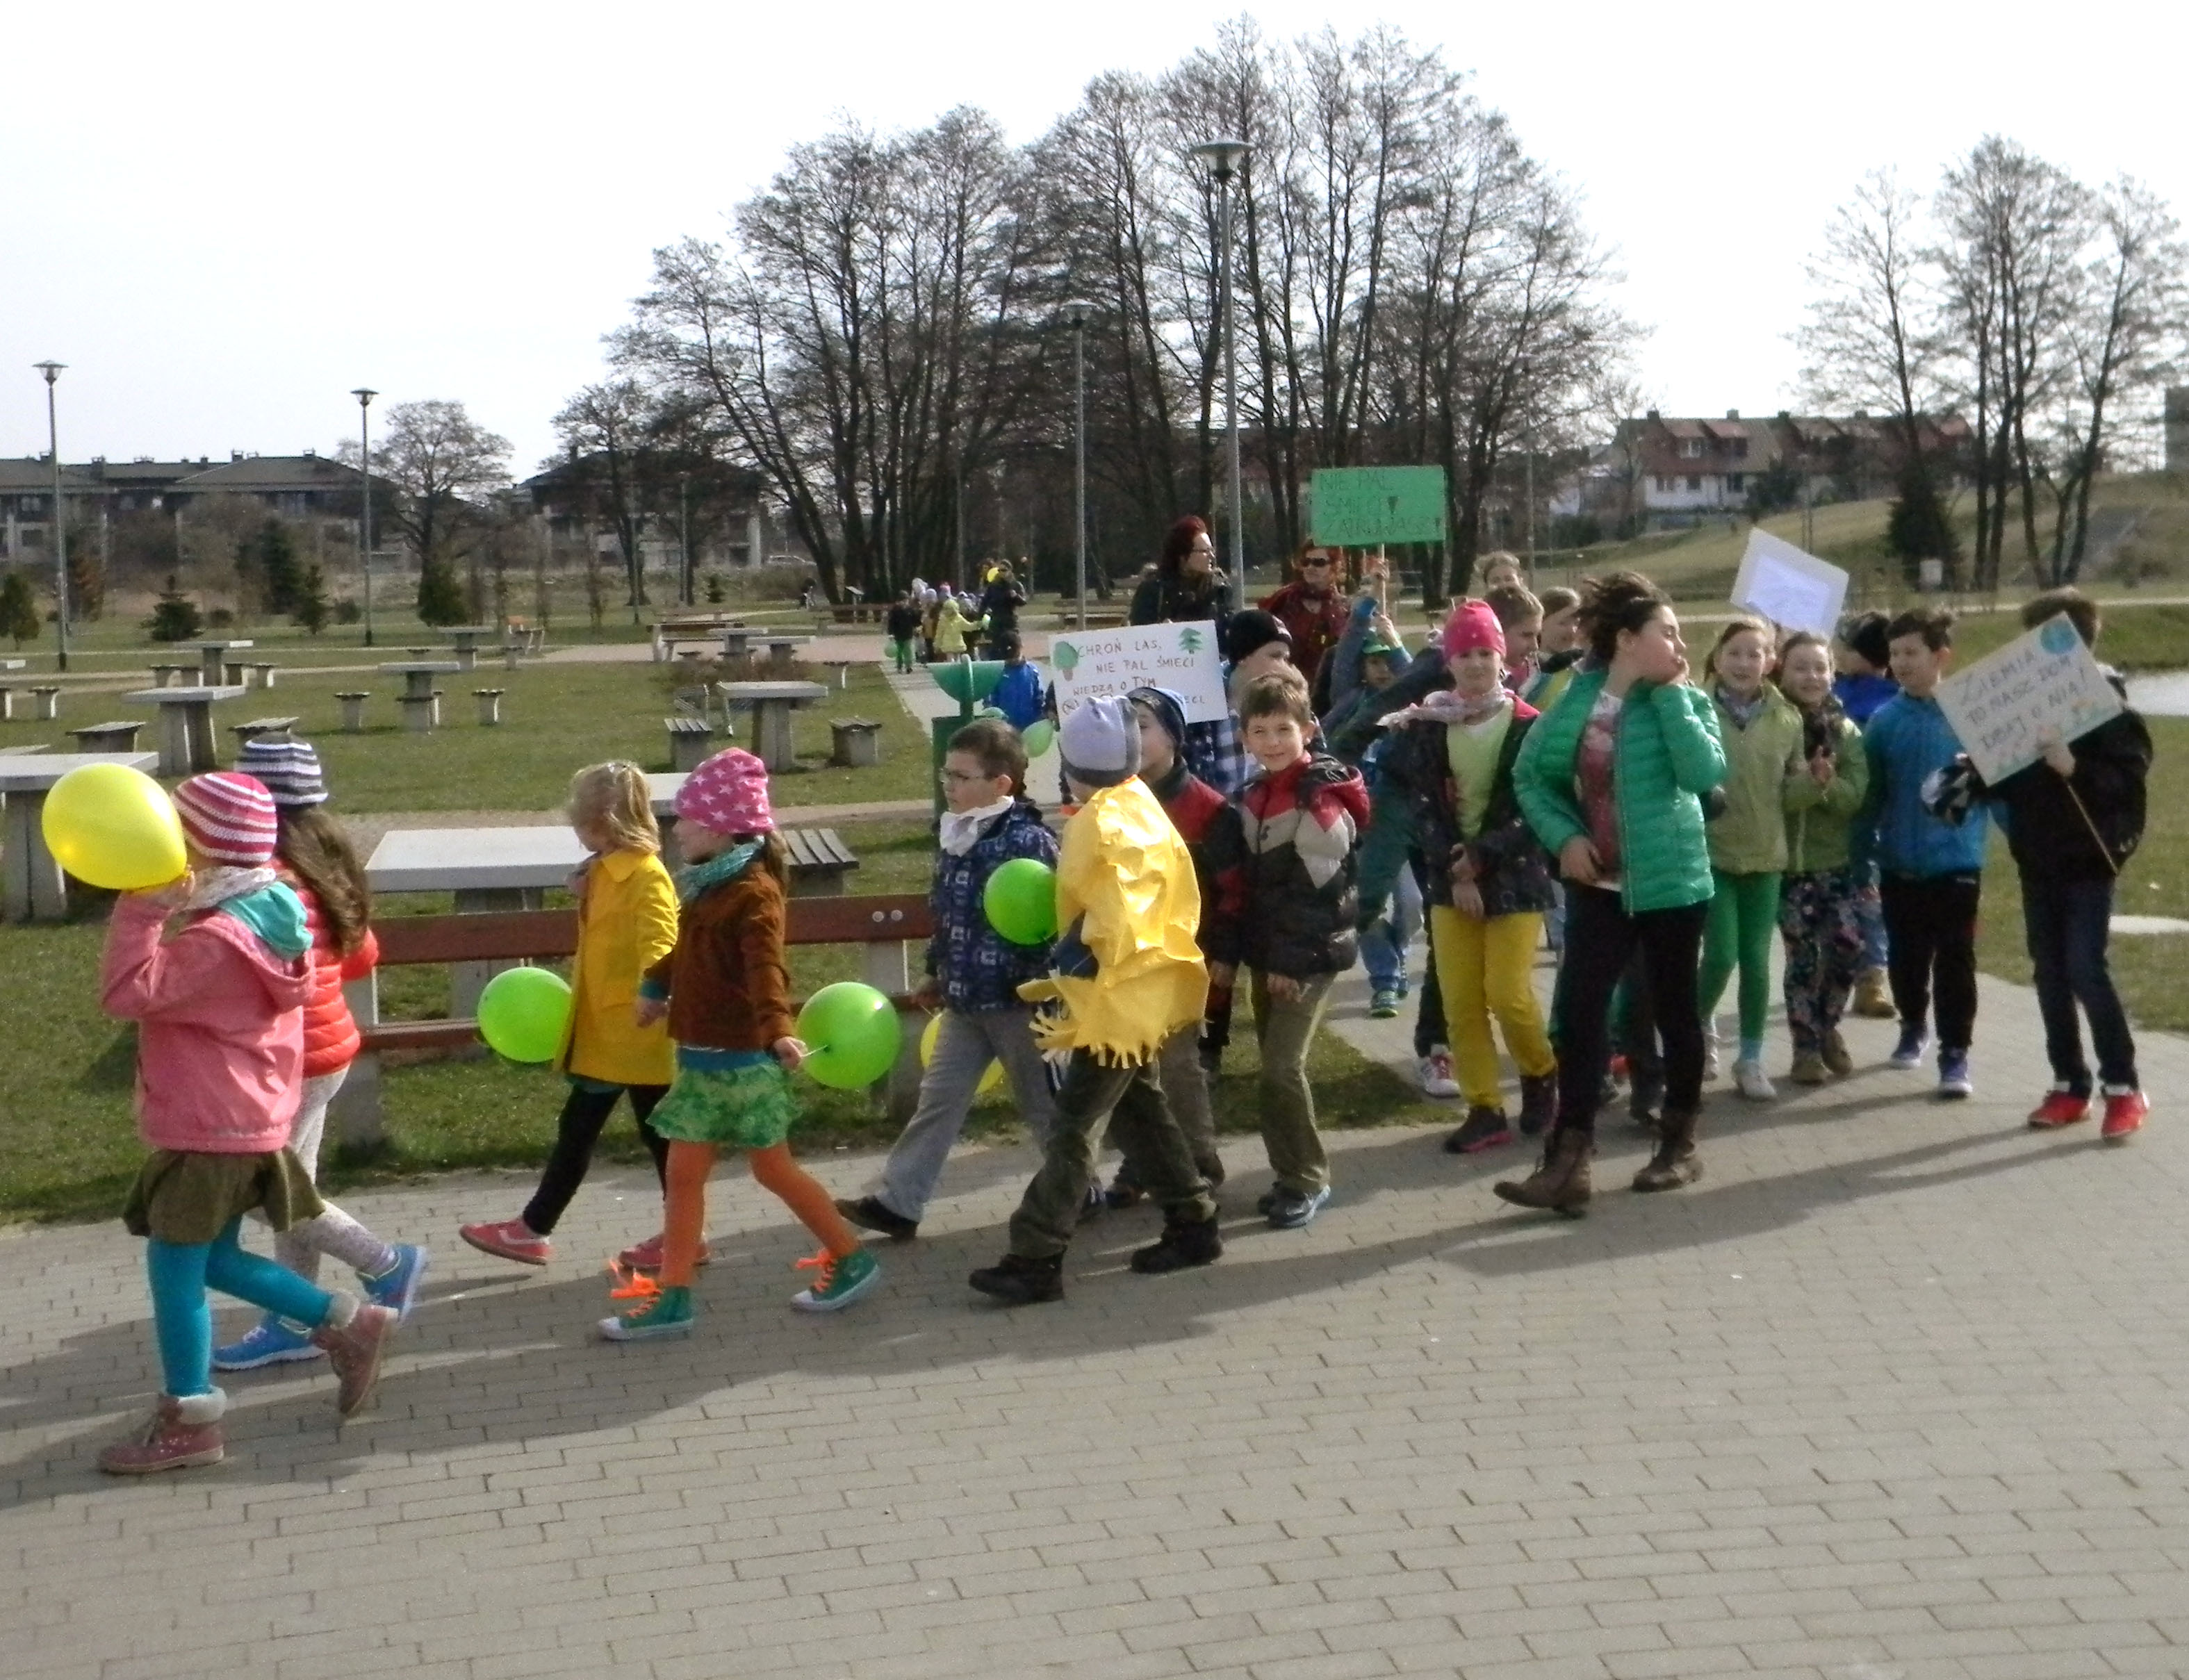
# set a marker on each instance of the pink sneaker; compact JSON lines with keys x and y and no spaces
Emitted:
{"x":647,"y":1256}
{"x":180,"y":1433}
{"x":510,"y":1239}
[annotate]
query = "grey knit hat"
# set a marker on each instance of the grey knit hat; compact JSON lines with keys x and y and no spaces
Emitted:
{"x":288,"y":768}
{"x":1099,"y":742}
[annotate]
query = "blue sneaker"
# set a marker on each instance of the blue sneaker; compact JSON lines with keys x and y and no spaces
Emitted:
{"x":1954,"y":1082}
{"x":396,"y":1289}
{"x":271,"y":1341}
{"x":1908,"y":1053}
{"x":1290,"y":1210}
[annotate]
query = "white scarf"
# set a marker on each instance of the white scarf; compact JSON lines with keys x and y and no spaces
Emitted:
{"x":216,"y":886}
{"x":961,"y":829}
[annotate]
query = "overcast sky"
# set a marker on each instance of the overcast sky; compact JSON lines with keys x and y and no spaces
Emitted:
{"x":224,"y":217}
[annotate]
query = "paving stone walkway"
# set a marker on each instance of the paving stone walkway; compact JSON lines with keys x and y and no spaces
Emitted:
{"x":1898,"y":1392}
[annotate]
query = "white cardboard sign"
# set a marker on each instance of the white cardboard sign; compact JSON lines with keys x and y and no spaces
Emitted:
{"x":1793,"y":589}
{"x":2042,"y":686}
{"x":1182,"y":657}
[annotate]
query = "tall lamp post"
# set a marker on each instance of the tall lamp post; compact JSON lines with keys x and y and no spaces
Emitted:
{"x":689,"y":593}
{"x":365,"y":394}
{"x":1077,"y":314}
{"x":1224,"y":160}
{"x":52,"y":372}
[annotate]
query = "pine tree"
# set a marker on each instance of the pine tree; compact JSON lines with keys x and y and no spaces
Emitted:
{"x":1916,"y":527}
{"x":87,"y":583}
{"x":175,"y":616}
{"x":274,"y":557}
{"x":440,"y":594}
{"x":309,"y":608}
{"x":19,"y":608}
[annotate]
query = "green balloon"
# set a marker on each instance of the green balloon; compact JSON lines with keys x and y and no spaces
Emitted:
{"x":1040,"y":735}
{"x":1021,"y":901}
{"x":851,"y":1035}
{"x":523,"y":1014}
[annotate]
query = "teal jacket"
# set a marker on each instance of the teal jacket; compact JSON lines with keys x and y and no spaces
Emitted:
{"x":1749,"y":838}
{"x":1820,"y":821}
{"x":1668,"y":756}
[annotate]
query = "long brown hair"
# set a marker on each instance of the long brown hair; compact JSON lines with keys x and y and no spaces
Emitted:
{"x":774,"y":856}
{"x":317,"y":850}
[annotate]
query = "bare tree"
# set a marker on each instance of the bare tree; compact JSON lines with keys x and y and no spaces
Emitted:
{"x":601,"y":429}
{"x":444,"y":466}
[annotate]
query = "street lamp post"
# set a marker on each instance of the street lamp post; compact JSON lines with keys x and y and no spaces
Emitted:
{"x":684,"y":537}
{"x":1224,"y":159}
{"x":1076,"y":315}
{"x":52,"y":372}
{"x":365,"y":395}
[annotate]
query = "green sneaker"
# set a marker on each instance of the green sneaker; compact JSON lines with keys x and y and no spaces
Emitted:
{"x":840,"y":1282}
{"x":666,"y":1312}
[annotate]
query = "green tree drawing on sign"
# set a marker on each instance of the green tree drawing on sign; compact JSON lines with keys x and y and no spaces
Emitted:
{"x":1064,"y":656}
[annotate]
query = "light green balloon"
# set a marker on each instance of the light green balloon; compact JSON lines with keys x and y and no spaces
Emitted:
{"x":523,"y":1014}
{"x":1020,"y":902}
{"x":1039,"y":737}
{"x":851,"y":1035}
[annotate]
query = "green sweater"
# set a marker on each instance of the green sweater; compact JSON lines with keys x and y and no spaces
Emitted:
{"x":1819,"y":820}
{"x":1668,"y":757}
{"x":1749,"y":838}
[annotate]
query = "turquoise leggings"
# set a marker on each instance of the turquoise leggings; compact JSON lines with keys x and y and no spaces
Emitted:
{"x":182,"y":1317}
{"x":1743,"y":917}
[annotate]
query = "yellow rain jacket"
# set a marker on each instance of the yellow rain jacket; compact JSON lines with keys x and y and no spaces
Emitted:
{"x":1124,"y":875}
{"x":626,"y":923}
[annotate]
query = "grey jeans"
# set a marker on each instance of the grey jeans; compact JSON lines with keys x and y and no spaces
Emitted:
{"x":1186,"y":1089}
{"x":1284,"y":1031}
{"x":965,"y":1045}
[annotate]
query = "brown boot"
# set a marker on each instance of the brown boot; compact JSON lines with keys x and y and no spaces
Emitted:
{"x":1562,"y":1183}
{"x":355,"y":1347}
{"x":1675,"y":1164}
{"x":1838,"y":1062}
{"x":181,"y":1433}
{"x":1873,"y":996}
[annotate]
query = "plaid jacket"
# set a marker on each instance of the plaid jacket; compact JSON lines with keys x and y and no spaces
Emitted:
{"x":977,"y":967}
{"x":1215,"y":753}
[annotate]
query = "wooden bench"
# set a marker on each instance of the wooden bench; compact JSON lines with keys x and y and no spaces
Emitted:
{"x":246,"y":733}
{"x":690,"y":741}
{"x":852,"y":612}
{"x":119,"y":736}
{"x":819,"y":861}
{"x":881,"y":926}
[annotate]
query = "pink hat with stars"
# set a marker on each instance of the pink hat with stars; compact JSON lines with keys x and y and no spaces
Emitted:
{"x":727,"y":793}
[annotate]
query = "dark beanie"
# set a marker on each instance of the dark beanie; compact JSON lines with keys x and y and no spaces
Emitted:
{"x":1864,"y":632}
{"x":1250,"y":630}
{"x":1168,"y":708}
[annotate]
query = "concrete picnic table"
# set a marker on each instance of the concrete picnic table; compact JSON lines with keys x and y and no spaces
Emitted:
{"x":772,"y":703}
{"x":486,"y":869}
{"x":186,"y":738}
{"x":34,"y":889}
{"x":422,"y":706}
{"x":467,"y":638}
{"x":213,"y":658}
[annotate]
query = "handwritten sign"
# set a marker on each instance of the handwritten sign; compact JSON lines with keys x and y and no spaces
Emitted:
{"x":1793,"y":589}
{"x":1366,"y":507}
{"x":1182,"y":657}
{"x":2043,"y":686}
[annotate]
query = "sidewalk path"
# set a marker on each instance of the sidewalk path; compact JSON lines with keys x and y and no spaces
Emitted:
{"x":1897,"y":1393}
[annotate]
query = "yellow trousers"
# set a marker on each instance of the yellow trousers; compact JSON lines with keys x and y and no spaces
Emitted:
{"x":1487,"y":968}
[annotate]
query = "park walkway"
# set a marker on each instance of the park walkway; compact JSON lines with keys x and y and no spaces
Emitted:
{"x":1897,"y":1393}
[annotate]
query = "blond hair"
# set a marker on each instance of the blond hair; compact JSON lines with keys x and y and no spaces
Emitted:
{"x":615,"y":795}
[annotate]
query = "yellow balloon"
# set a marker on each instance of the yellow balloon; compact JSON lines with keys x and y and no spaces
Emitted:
{"x":991,"y":1080}
{"x":114,"y":827}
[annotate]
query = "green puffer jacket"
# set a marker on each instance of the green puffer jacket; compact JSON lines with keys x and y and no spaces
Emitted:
{"x":1819,"y":820}
{"x":1749,"y":837}
{"x":1668,"y":756}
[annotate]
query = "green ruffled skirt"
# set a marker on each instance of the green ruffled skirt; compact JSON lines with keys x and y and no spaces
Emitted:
{"x":733,"y":1108}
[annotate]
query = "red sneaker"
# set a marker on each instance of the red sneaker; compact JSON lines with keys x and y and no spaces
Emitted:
{"x":647,"y":1256}
{"x":2060,"y":1107}
{"x":2124,"y":1114}
{"x":509,"y":1240}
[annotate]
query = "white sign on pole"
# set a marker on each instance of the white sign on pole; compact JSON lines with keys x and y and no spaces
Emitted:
{"x":1182,"y":657}
{"x":2044,"y":686}
{"x":1795,"y":591}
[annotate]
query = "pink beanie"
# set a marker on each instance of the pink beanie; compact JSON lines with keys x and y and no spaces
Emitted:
{"x":727,"y":793}
{"x":228,"y":817}
{"x":1472,"y":624}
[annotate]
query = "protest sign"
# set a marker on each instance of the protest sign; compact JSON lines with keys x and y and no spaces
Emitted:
{"x":1369,"y":507}
{"x":2041,"y":687}
{"x":1793,"y":589}
{"x":1182,"y":657}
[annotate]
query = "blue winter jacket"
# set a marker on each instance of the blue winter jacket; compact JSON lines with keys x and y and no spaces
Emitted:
{"x":1018,"y":694}
{"x":975,"y":966}
{"x":1906,"y":741}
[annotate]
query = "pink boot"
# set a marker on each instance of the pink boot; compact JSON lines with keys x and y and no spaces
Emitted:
{"x":181,"y":1435}
{"x":354,"y":1337}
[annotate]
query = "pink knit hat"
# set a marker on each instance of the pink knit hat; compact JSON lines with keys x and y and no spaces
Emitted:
{"x":727,"y":793}
{"x":1472,"y":624}
{"x":228,"y":817}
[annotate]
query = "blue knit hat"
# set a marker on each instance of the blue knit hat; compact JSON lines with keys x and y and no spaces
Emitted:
{"x":288,"y":768}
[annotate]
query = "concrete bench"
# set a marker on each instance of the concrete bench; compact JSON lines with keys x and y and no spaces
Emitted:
{"x":46,"y":702}
{"x":819,"y":861}
{"x":352,"y":710}
{"x":858,"y":742}
{"x":6,"y":703}
{"x":881,"y":926}
{"x":842,"y":668}
{"x":421,"y":713}
{"x":265,"y":669}
{"x":691,"y":739}
{"x":119,"y":736}
{"x":490,"y":706}
{"x":246,"y":733}
{"x":161,"y":674}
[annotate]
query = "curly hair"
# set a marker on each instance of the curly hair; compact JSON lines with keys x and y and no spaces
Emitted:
{"x":317,"y":851}
{"x":1618,"y":601}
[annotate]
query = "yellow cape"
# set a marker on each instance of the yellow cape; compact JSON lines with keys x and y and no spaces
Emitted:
{"x":1122,"y":867}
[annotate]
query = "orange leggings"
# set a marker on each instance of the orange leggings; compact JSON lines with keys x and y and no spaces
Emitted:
{"x":690,"y":1165}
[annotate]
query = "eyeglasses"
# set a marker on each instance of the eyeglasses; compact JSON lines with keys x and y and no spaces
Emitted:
{"x":962,"y":776}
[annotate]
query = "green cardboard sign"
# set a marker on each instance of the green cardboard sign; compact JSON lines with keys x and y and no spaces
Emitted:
{"x":1369,"y":506}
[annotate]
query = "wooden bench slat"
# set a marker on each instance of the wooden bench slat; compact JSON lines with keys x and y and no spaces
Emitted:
{"x":490,"y":936}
